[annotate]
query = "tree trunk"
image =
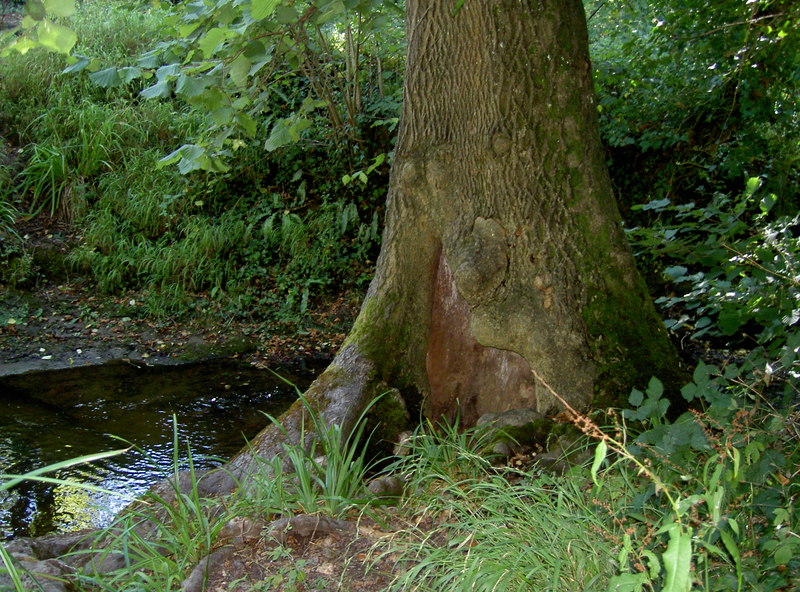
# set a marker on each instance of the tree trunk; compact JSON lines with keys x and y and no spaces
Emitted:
{"x":503,"y":250}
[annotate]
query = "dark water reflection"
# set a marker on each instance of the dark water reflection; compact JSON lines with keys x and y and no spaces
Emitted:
{"x":47,"y":417}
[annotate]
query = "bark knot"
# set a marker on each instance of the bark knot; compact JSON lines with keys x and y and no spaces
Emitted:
{"x":482,"y":261}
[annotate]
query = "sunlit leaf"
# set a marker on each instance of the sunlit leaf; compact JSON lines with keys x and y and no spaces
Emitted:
{"x":211,"y":40}
{"x":59,"y":7}
{"x":678,"y":559}
{"x":57,"y":37}
{"x":599,"y":456}
{"x":261,"y":9}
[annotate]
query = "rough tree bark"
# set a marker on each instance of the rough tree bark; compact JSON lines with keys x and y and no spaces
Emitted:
{"x":503,"y":250}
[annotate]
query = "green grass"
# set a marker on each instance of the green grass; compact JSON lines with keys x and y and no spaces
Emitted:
{"x":473,"y":525}
{"x":484,"y":529}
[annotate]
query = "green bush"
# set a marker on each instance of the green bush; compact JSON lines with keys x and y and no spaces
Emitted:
{"x":707,"y":499}
{"x":267,"y":238}
{"x":695,"y":98}
{"x":734,"y":275}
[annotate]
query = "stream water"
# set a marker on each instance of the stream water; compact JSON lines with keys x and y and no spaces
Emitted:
{"x":48,"y":417}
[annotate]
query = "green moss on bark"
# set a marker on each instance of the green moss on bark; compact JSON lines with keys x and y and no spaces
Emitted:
{"x":629,"y":346}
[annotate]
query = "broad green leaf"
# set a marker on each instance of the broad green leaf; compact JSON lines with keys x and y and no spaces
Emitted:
{"x":170,"y":158}
{"x":700,"y":376}
{"x":211,"y":40}
{"x":211,"y":99}
{"x":222,"y":115}
{"x":187,"y":29}
{"x":298,"y":126}
{"x":59,"y":7}
{"x":261,"y":9}
{"x":160,"y":89}
{"x":786,"y":552}
{"x":239,"y":69}
{"x":286,"y":14}
{"x":329,"y":10}
{"x":168,"y":72}
{"x":36,"y":10}
{"x":189,"y":157}
{"x":653,"y":564}
{"x":247,"y":123}
{"x":627,"y":582}
{"x":129,"y":73}
{"x":56,"y":37}
{"x":753,"y":183}
{"x":21,"y":45}
{"x":636,"y":397}
{"x":678,"y":559}
{"x":675,"y":272}
{"x":689,"y":391}
{"x":106,"y":78}
{"x":76,"y":64}
{"x":279,"y":137}
{"x":241,"y":103}
{"x":189,"y":86}
{"x":148,"y":60}
{"x":729,"y":320}
{"x":655,"y":387}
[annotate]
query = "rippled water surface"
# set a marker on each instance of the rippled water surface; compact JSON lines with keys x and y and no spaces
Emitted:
{"x":47,"y":417}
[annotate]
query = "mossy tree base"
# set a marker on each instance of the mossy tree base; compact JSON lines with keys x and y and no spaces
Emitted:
{"x":503,"y":254}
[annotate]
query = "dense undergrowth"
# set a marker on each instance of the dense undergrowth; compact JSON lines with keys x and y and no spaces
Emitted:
{"x":266,"y":238}
{"x":704,"y":502}
{"x":699,"y":114}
